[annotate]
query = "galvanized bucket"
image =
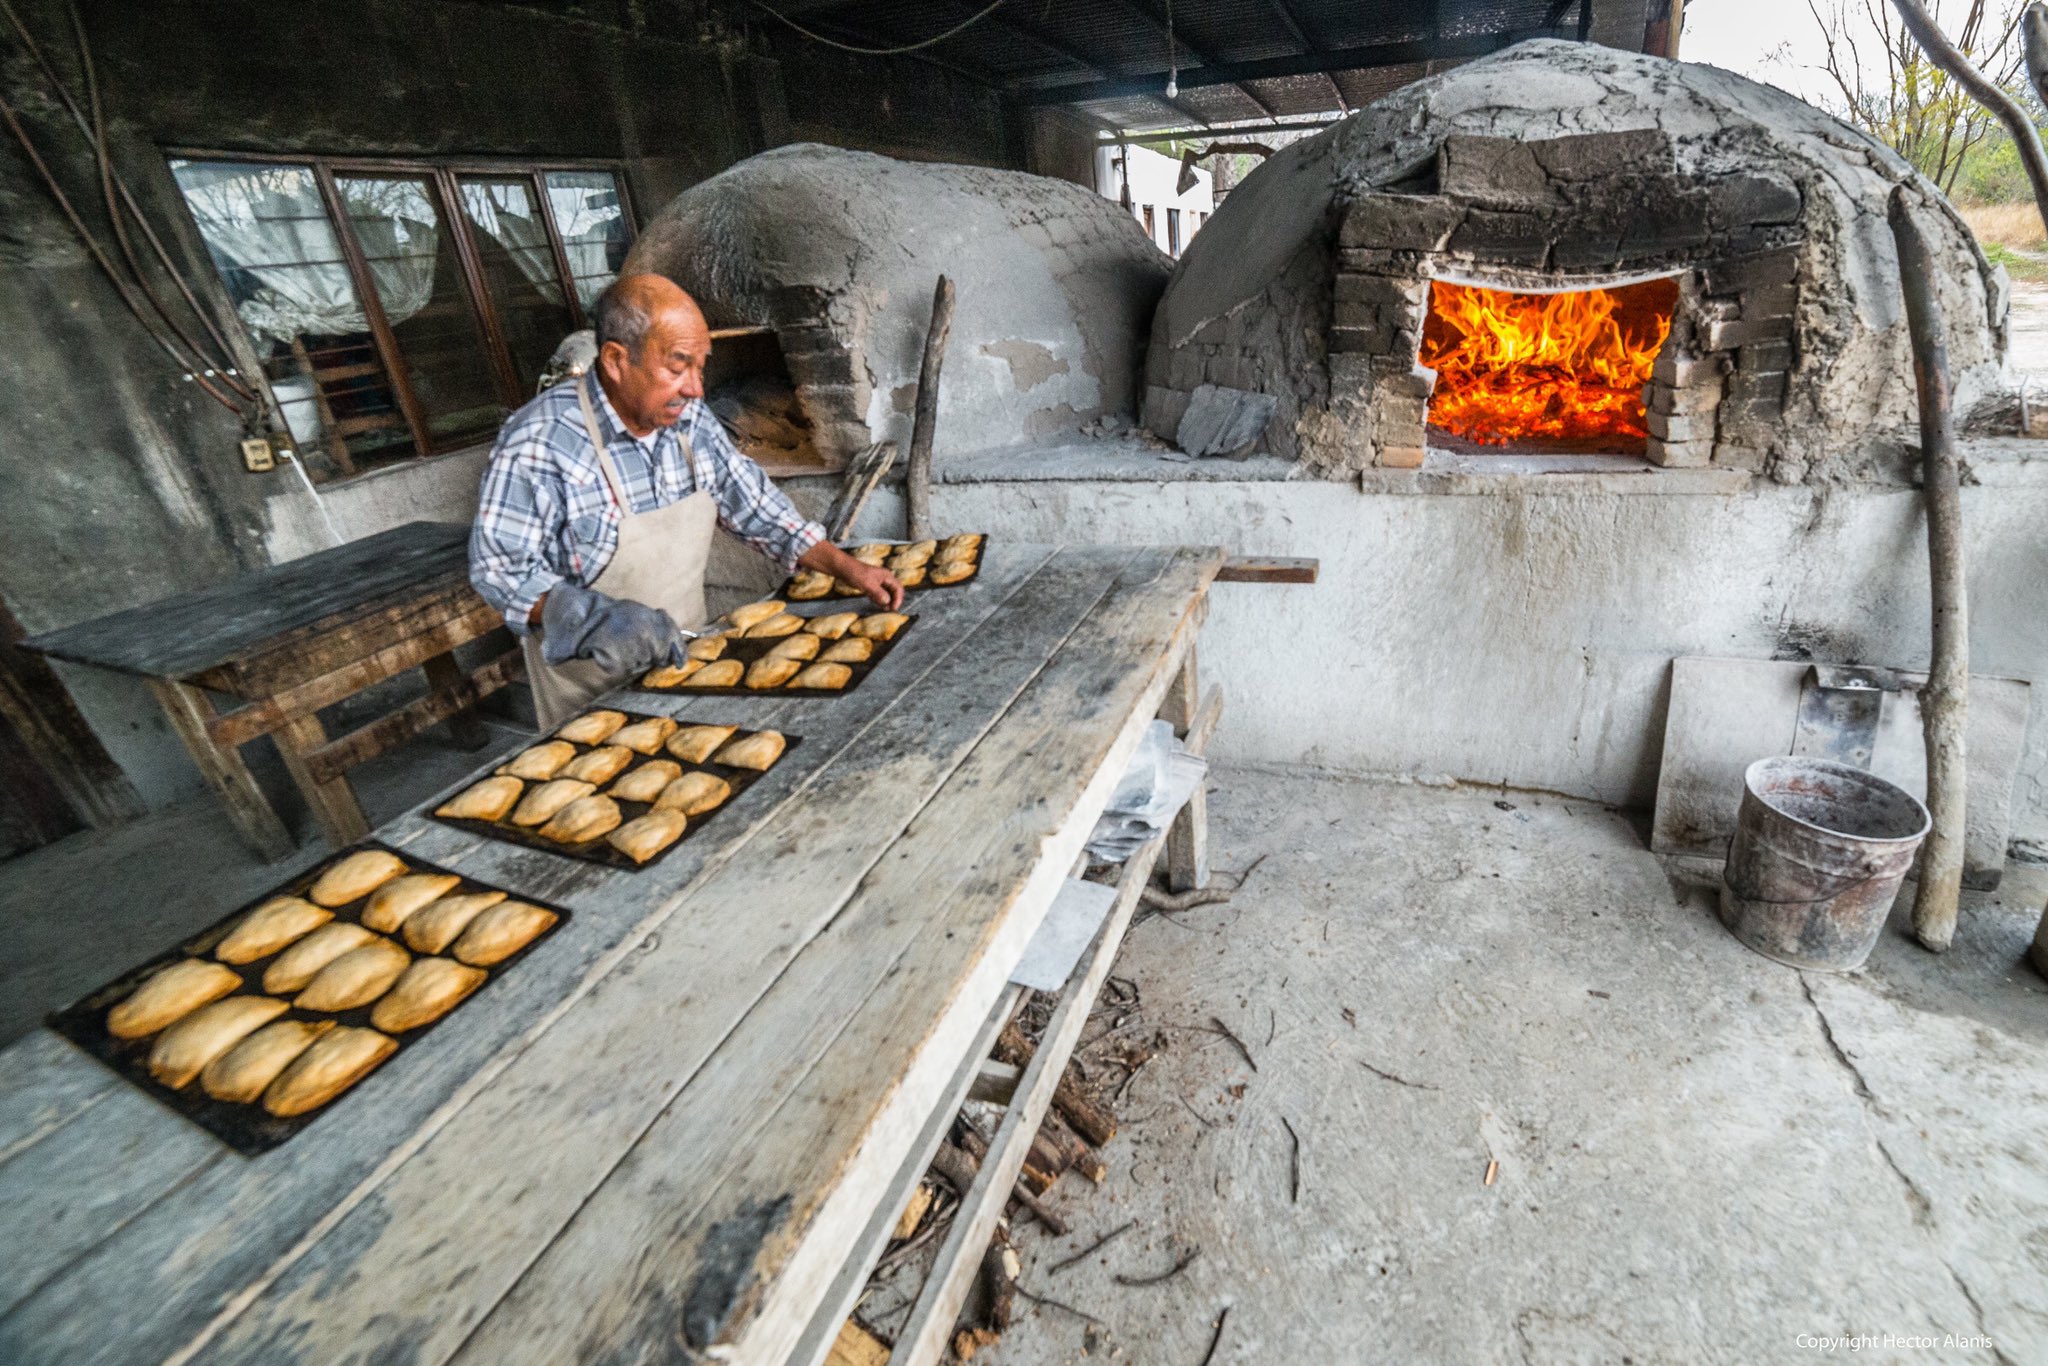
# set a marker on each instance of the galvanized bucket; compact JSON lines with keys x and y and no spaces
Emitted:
{"x":1819,"y":852}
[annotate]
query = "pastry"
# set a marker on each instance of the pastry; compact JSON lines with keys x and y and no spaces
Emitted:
{"x":754,"y":612}
{"x":832,"y":625}
{"x":757,"y":751}
{"x":966,"y":543}
{"x":693,"y":794}
{"x":671,"y":675}
{"x":583,"y":820}
{"x":781,"y":624}
{"x":356,"y":978}
{"x":593,"y":727}
{"x":645,"y":737}
{"x":770,"y":672}
{"x":641,"y":838}
{"x":800,"y":646}
{"x":910,"y":576}
{"x":175,"y":992}
{"x":842,"y":589}
{"x":808,"y":585}
{"x":828,"y":677}
{"x":952,"y":571}
{"x":435,"y":928}
{"x":540,"y":762}
{"x":544,"y":801}
{"x":429,"y":989}
{"x":880,"y":625}
{"x":599,"y":765}
{"x":693,"y":744}
{"x":488,"y":800}
{"x":268,"y":928}
{"x":336,"y":1061}
{"x":502,"y":931}
{"x":645,"y":783}
{"x":874,"y":552}
{"x":360,"y":874}
{"x":915,"y":552}
{"x":297,"y":965}
{"x":724,"y":674}
{"x":240,"y":1074}
{"x":394,"y":901}
{"x":852,"y":650}
{"x":704,"y":649}
{"x":184,"y":1050}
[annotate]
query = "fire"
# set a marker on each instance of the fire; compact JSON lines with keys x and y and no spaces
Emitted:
{"x":1558,"y":367}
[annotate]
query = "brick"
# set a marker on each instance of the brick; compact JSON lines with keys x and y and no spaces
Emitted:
{"x":1399,"y":410}
{"x":1373,"y":261}
{"x":1681,"y":427}
{"x":1760,"y":357}
{"x":1752,"y":200}
{"x":1163,"y":411}
{"x":1770,"y":301}
{"x":1599,"y":156}
{"x":1702,"y":396}
{"x":1727,"y":334}
{"x":1380,"y":290}
{"x":1679,"y":454}
{"x":1754,"y":392}
{"x":1664,"y":228}
{"x":1514,"y":237}
{"x":1184,"y":370}
{"x":1400,"y":457}
{"x":1350,"y":374}
{"x":1400,"y":222}
{"x":1391,"y":375}
{"x":1586,"y":248}
{"x":1502,"y":172}
{"x":1734,"y":457}
{"x":1375,"y":341}
{"x":1753,"y":272}
{"x":1682,"y":372}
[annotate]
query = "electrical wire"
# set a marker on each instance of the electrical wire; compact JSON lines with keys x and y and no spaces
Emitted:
{"x":960,"y":27}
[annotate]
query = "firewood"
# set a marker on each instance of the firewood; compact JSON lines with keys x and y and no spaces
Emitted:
{"x":999,"y":1270}
{"x":917,"y":488}
{"x":1088,"y":1116}
{"x":1080,"y":1157}
{"x":913,"y":1213}
{"x":856,"y":1346}
{"x":960,"y":1167}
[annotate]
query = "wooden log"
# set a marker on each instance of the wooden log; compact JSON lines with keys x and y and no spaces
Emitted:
{"x":999,"y":1268}
{"x":863,"y":475}
{"x":1944,"y":704}
{"x":1080,"y":1156}
{"x":959,"y":1167}
{"x":924,"y":425}
{"x":856,"y":1346}
{"x":1267,"y":569}
{"x":1187,"y":839}
{"x":1087,"y":1116}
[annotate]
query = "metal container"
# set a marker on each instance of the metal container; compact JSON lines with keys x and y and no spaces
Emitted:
{"x":1820,"y":849}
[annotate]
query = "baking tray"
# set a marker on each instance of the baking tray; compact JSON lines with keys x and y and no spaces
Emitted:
{"x":838,"y":595}
{"x":249,"y":1128}
{"x":600,"y":849}
{"x":747,"y":651}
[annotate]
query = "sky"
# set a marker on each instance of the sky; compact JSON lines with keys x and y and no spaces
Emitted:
{"x":1775,"y":41}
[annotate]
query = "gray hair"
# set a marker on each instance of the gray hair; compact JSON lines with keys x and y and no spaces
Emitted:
{"x":618,"y":319}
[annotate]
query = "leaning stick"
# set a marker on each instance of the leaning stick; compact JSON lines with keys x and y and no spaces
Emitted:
{"x":863,"y":473}
{"x":1985,"y":91}
{"x":1945,"y":702}
{"x":924,"y":425}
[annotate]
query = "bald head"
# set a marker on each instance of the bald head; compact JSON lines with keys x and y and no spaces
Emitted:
{"x":652,"y":346}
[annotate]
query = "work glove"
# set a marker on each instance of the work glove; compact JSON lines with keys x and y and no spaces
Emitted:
{"x":618,"y":636}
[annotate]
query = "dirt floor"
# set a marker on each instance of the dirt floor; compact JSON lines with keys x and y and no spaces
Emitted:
{"x":2029,"y":332}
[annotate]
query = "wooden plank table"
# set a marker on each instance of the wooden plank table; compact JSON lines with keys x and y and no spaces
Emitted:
{"x":675,"y":1120}
{"x":297,"y":637}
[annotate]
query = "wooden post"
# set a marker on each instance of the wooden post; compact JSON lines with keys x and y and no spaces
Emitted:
{"x":332,"y":799}
{"x":1187,"y":840}
{"x":189,"y":710}
{"x":1945,"y":703}
{"x":924,"y":425}
{"x":443,"y":673}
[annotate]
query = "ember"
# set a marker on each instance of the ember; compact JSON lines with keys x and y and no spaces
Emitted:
{"x":1554,"y":368}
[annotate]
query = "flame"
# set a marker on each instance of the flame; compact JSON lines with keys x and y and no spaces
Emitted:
{"x":1558,"y":366}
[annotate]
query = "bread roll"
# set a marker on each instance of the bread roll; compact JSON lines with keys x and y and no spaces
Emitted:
{"x":335,"y":1061}
{"x":645,"y":737}
{"x":240,"y":1074}
{"x":693,"y":794}
{"x":842,"y":589}
{"x":852,"y":650}
{"x":183,"y":1051}
{"x":356,"y":978}
{"x":429,"y":989}
{"x":435,"y":928}
{"x":874,"y":552}
{"x":754,"y":612}
{"x":268,"y":928}
{"x":950,"y":571}
{"x":966,"y":543}
{"x":358,"y":875}
{"x":171,"y":995}
{"x":645,"y":783}
{"x":726,"y":673}
{"x":599,"y":765}
{"x":880,"y":625}
{"x":800,"y":646}
{"x":823,"y":676}
{"x":593,"y":727}
{"x":707,"y":648}
{"x":671,"y":675}
{"x":488,"y":800}
{"x":396,"y":900}
{"x":911,"y":575}
{"x":544,"y":801}
{"x":641,"y":838}
{"x":298,"y":964}
{"x":694,"y":744}
{"x":914,"y":552}
{"x":832,"y":625}
{"x":809,"y":585}
{"x":502,"y":931}
{"x":539,"y":763}
{"x":757,"y":751}
{"x":583,"y":820}
{"x":770,"y":672}
{"x":781,"y":624}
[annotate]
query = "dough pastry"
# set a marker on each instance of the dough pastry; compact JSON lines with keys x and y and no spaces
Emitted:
{"x":781,"y":624}
{"x":967,"y":542}
{"x":645,"y":783}
{"x":832,"y":625}
{"x":828,"y":676}
{"x":671,"y":675}
{"x":911,"y":575}
{"x":360,"y":874}
{"x":488,"y":800}
{"x":593,"y":727}
{"x":693,"y":794}
{"x":175,"y":992}
{"x":356,"y":978}
{"x":953,"y":571}
{"x":852,"y":650}
{"x":435,"y":928}
{"x":803,"y":645}
{"x":809,"y":584}
{"x":185,"y":1049}
{"x":268,"y":928}
{"x":297,"y":965}
{"x":241,"y":1073}
{"x":645,"y":737}
{"x":429,"y":989}
{"x":744,"y":617}
{"x":874,"y":552}
{"x":724,"y":674}
{"x":395,"y":901}
{"x":842,"y":589}
{"x":707,"y":648}
{"x":540,"y":762}
{"x":693,"y":744}
{"x":757,"y":751}
{"x":770,"y":672}
{"x":916,"y":552}
{"x":544,"y":801}
{"x":583,"y":820}
{"x":641,"y":838}
{"x":336,"y":1061}
{"x":880,"y":625}
{"x":502,"y":931}
{"x":600,"y":765}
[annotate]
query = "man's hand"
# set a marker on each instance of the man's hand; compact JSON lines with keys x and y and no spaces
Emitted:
{"x":619,"y":636}
{"x":879,"y":584}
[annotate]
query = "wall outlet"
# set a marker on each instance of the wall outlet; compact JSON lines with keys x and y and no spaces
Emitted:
{"x":257,"y":455}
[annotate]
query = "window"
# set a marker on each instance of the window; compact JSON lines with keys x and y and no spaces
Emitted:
{"x":1151,"y":229}
{"x":402,"y":309}
{"x":1173,"y":232}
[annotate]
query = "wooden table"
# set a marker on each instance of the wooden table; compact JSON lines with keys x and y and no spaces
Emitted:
{"x":680,"y":1121}
{"x":292,"y":639}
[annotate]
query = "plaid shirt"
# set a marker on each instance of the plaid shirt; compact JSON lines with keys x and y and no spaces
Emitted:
{"x":548,"y":515}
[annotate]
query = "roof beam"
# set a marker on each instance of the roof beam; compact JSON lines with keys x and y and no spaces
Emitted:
{"x":1284,"y":12}
{"x":1032,"y":33}
{"x":1152,"y":17}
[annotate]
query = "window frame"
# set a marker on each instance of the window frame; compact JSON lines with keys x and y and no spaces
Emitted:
{"x":444,"y":176}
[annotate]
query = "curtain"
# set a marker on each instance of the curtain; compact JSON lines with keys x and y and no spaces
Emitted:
{"x":505,"y":212}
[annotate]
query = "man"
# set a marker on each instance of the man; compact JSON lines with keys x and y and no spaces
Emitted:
{"x":601,"y":498}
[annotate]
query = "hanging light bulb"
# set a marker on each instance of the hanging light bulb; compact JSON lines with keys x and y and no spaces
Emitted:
{"x":1172,"y":58}
{"x":1173,"y":84}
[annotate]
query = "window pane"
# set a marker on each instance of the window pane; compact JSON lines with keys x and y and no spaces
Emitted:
{"x":412,"y":261}
{"x":590,"y":215}
{"x":519,"y":270}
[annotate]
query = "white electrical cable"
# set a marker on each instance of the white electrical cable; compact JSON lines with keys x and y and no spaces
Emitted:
{"x":882,"y":51}
{"x":314,"y":494}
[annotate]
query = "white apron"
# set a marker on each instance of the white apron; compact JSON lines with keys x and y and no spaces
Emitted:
{"x":660,"y":563}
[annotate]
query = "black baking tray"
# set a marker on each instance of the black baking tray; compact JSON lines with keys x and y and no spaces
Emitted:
{"x":840,"y":596}
{"x":250,"y":1128}
{"x":747,"y":651}
{"x":600,"y":849}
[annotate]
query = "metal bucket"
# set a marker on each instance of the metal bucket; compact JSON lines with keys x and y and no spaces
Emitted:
{"x":1819,"y":852}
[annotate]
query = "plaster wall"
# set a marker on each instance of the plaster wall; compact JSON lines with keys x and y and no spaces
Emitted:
{"x":1155,"y":183}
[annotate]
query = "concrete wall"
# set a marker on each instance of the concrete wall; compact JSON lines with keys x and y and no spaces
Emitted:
{"x":1155,"y":184}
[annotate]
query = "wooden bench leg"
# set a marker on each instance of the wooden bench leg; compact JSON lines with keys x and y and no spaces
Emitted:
{"x":333,"y":800}
{"x":466,"y":729}
{"x":1187,"y":842}
{"x":189,"y":709}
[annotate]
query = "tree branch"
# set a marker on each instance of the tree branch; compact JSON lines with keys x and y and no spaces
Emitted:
{"x":1981,"y":88}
